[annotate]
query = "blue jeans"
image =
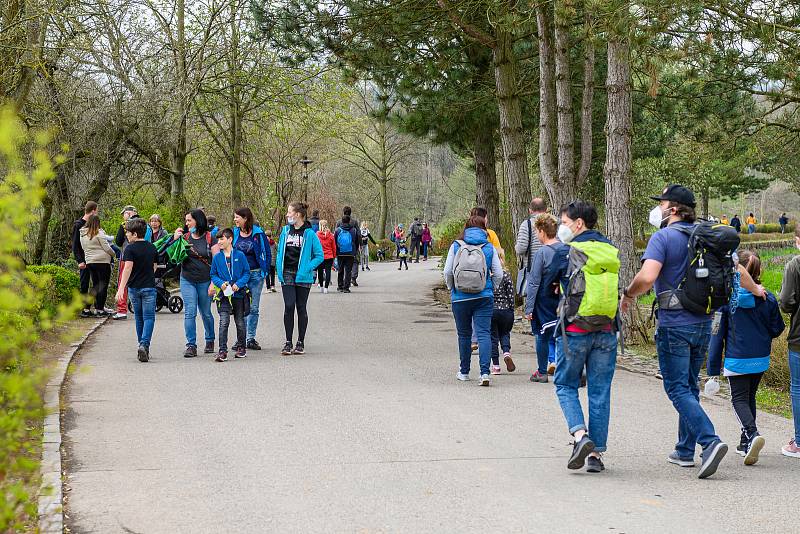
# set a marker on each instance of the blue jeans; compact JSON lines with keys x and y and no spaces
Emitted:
{"x":545,"y":350}
{"x":195,"y":297}
{"x":751,"y":228}
{"x":256,"y":285}
{"x":597,"y":352}
{"x":794,"y":391}
{"x":478,"y":312}
{"x":681,"y":351}
{"x":143,"y":302}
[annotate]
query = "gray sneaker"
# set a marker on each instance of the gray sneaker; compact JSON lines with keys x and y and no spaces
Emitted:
{"x":673,"y":458}
{"x":463,"y":377}
{"x":484,"y":381}
{"x":143,"y":354}
{"x":712,"y":456}
{"x":119,"y":316}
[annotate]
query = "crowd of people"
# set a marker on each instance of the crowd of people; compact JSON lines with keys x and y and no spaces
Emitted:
{"x":709,"y":299}
{"x":750,"y":222}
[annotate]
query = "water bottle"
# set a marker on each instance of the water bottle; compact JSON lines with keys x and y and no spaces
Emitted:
{"x":711,"y":387}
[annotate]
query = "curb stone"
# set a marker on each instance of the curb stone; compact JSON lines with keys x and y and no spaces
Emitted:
{"x":50,"y":497}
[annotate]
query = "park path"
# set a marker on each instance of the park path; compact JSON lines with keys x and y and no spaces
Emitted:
{"x":370,"y":432}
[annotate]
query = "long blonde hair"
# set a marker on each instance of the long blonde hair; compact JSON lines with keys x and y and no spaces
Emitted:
{"x":324,"y":226}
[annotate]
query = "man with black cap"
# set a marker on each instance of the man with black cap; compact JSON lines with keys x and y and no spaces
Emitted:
{"x":682,"y":336}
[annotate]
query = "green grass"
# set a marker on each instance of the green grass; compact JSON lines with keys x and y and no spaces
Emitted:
{"x":774,"y":401}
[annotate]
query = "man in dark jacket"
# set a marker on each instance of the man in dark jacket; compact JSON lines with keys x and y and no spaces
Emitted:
{"x":77,"y":251}
{"x":736,"y":222}
{"x":415,"y":233}
{"x":347,"y":211}
{"x":346,"y":251}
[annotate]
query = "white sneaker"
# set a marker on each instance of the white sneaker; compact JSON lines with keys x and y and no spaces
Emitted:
{"x":462,"y":377}
{"x":322,"y":289}
{"x":325,"y":290}
{"x":119,"y":316}
{"x":484,"y":380}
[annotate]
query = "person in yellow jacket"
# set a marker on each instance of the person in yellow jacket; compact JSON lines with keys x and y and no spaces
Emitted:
{"x":751,"y":222}
{"x":724,"y":220}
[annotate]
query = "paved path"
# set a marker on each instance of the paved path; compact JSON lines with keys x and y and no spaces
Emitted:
{"x":370,"y":432}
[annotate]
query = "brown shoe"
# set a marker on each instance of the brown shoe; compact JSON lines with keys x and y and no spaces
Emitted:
{"x":209,"y":347}
{"x":510,"y":367}
{"x":551,"y":368}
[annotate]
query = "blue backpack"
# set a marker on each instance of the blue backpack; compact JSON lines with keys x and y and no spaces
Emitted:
{"x":344,"y":241}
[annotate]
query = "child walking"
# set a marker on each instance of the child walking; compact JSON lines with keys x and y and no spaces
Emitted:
{"x":502,"y":323}
{"x":140,"y":260}
{"x":402,"y":252}
{"x":230,"y":273}
{"x":746,"y":335}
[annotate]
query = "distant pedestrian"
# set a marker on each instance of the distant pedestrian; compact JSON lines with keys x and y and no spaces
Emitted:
{"x":157,"y":230}
{"x":471,"y":271}
{"x":98,"y":258}
{"x":138,"y":281}
{"x":751,"y":223}
{"x":789,"y":300}
{"x":527,"y":244}
{"x":348,"y":211}
{"x":121,"y":241}
{"x":328,"y":242}
{"x":736,"y":222}
{"x":415,"y":234}
{"x":725,"y":220}
{"x":346,"y":237}
{"x":80,"y":257}
{"x":250,"y":238}
{"x":314,"y":220}
{"x":366,"y":237}
{"x":402,"y":253}
{"x":745,"y":336}
{"x":502,"y":323}
{"x":783,"y":220}
{"x":427,"y":239}
{"x":230,"y":273}
{"x":299,"y":255}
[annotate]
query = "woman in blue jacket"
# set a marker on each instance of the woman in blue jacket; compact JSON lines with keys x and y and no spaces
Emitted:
{"x":746,"y":336}
{"x":230,"y":274}
{"x":474,"y":308}
{"x":299,"y":255}
{"x":253,"y":242}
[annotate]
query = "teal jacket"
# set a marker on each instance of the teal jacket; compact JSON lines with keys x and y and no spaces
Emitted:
{"x":311,"y":255}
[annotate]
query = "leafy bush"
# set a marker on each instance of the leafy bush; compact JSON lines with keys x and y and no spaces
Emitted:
{"x":60,"y":285}
{"x":768,"y":228}
{"x":444,"y":235}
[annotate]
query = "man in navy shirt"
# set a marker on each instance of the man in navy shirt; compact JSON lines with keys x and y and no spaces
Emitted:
{"x":682,"y":337}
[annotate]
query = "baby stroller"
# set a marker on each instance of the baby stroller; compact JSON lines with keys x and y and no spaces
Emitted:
{"x":166,"y":270}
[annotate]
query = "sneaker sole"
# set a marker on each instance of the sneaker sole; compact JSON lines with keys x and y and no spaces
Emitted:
{"x":578,"y":458}
{"x":240,"y":356}
{"x":142,"y":355}
{"x":752,"y":455}
{"x":680,"y":463}
{"x":510,"y":367}
{"x":710,"y":467}
{"x":484,"y":382}
{"x":790,"y":454}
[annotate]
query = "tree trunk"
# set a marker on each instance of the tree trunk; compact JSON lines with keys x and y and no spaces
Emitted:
{"x":563,"y":84}
{"x":704,"y":194}
{"x":235,"y":109}
{"x":587,"y":105}
{"x":486,"y":175}
{"x":179,"y":152}
{"x":384,"y":207}
{"x":44,"y":227}
{"x":511,"y":133}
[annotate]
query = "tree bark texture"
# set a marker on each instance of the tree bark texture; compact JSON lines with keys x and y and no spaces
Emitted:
{"x":486,"y":191}
{"x":587,"y":105}
{"x":44,"y":229}
{"x":563,"y":87}
{"x":511,"y":132}
{"x":383,"y":191}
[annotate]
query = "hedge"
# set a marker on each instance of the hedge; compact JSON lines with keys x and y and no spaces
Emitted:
{"x":57,"y":283}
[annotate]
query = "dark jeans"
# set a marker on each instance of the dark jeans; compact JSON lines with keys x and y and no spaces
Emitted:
{"x":324,"y":272}
{"x":354,"y":269}
{"x":403,"y":261}
{"x":415,"y":245}
{"x":295,"y":298}
{"x":743,"y":398}
{"x":271,"y":277}
{"x":345,"y":271}
{"x":502,"y":323}
{"x":225,"y":309}
{"x":478,"y":311}
{"x":101,"y":276}
{"x":681,"y":351}
{"x":425,"y":247}
{"x":86,"y":278}
{"x":143,"y":302}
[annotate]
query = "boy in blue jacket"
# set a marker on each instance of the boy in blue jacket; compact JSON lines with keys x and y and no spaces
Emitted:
{"x":230,"y":273}
{"x":746,"y":334}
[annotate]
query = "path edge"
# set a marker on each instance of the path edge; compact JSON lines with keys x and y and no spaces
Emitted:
{"x":51,"y":491}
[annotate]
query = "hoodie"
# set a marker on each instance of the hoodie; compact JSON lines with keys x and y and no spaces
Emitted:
{"x":355,"y":236}
{"x":311,"y":254}
{"x":474,"y":236}
{"x":328,"y":244}
{"x":746,"y":335}
{"x":261,"y":246}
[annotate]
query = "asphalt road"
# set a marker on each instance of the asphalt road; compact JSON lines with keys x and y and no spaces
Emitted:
{"x":371,"y":432}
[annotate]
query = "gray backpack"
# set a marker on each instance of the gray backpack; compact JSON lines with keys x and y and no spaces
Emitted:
{"x":469,"y":268}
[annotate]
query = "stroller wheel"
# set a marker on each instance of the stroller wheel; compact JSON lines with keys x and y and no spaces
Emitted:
{"x":175,"y":304}
{"x":130,"y":307}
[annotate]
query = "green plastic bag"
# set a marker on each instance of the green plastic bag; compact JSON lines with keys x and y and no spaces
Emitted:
{"x":178,"y":251}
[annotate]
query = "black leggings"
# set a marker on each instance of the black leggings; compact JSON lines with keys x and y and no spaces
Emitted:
{"x":271,"y":277}
{"x":324,"y":272}
{"x":743,"y":397}
{"x":101,"y":275}
{"x":295,"y":297}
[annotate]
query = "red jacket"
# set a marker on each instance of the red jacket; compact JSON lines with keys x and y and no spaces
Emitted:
{"x":328,"y":244}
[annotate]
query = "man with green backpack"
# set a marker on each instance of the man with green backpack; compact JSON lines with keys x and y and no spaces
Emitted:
{"x":587,"y":332}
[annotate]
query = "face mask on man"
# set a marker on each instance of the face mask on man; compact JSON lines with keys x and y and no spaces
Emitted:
{"x":565,"y":233}
{"x":657,"y":217}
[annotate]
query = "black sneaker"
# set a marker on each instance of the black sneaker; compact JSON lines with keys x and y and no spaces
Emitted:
{"x":287,"y":348}
{"x":741,"y":449}
{"x":345,"y":290}
{"x":594,"y":465}
{"x":299,"y":348}
{"x":712,"y":456}
{"x":190,"y":352}
{"x":354,"y":283}
{"x":85,"y":314}
{"x":143,"y":353}
{"x":753,"y":449}
{"x":252,"y":344}
{"x":236,"y":346}
{"x":580,"y":451}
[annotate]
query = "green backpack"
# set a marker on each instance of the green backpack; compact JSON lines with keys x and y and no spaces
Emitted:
{"x":591,"y":299}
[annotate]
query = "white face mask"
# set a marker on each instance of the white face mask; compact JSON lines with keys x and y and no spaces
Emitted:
{"x":565,"y":233}
{"x":290,"y":220}
{"x":656,"y":217}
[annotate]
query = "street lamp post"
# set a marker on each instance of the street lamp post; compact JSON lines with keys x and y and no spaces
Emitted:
{"x":305,"y":162}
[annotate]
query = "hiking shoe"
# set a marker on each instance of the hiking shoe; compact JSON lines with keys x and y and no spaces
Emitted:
{"x":536,"y":376}
{"x":791,"y":449}
{"x":582,"y":448}
{"x":551,"y":368}
{"x":252,"y":344}
{"x":299,"y":348}
{"x":495,"y":370}
{"x":143,"y":354}
{"x":712,"y":456}
{"x":594,"y":464}
{"x":287,"y":348}
{"x":673,"y":458}
{"x":510,"y":367}
{"x":209,"y":347}
{"x":221,"y":357}
{"x":119,"y":316}
{"x":484,"y":381}
{"x":190,"y":352}
{"x":753,"y":448}
{"x":86,"y":314}
{"x":241,"y":352}
{"x":464,"y":377}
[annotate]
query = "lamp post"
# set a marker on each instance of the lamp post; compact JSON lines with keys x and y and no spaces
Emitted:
{"x":305,"y":162}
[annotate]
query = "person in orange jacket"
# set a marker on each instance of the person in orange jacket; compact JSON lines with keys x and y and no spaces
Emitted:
{"x":329,"y":251}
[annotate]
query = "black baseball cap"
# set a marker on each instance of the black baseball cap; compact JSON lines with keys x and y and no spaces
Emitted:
{"x":677,"y":193}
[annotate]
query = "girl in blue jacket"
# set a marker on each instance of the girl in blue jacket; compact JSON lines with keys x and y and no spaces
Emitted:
{"x":299,"y":255}
{"x":230,"y":274}
{"x":746,"y":336}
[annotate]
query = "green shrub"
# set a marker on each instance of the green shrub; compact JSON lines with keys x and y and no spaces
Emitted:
{"x":768,"y":228}
{"x":59,"y":285}
{"x":444,"y":235}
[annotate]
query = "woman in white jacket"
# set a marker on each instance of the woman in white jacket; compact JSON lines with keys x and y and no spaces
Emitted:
{"x":99,"y":254}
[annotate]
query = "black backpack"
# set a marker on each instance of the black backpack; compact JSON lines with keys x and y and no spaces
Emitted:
{"x":707,"y":283}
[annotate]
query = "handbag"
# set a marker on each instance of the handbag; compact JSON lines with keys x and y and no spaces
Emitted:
{"x":246,"y":298}
{"x":523,"y":270}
